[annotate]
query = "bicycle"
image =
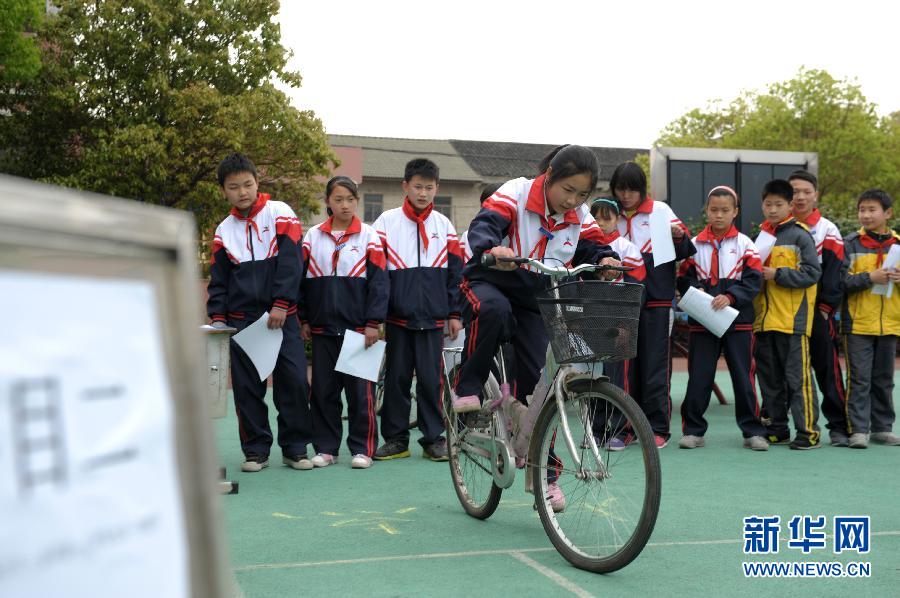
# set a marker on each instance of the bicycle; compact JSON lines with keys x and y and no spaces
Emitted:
{"x":612,"y":497}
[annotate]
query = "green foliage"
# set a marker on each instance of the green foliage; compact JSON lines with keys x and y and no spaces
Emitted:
{"x":19,"y":56}
{"x":812,"y":113}
{"x":143,"y":98}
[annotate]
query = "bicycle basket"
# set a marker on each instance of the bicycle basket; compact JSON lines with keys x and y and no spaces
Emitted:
{"x":590,"y":321}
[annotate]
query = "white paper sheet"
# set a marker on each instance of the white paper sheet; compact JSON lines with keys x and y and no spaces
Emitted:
{"x":358,"y":361}
{"x":261,"y":345}
{"x":891,"y":260}
{"x":661,"y":243}
{"x":92,"y":507}
{"x":697,"y":304}
{"x":764,"y":244}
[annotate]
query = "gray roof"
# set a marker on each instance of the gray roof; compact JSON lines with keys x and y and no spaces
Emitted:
{"x":502,"y":160}
{"x":386,"y":157}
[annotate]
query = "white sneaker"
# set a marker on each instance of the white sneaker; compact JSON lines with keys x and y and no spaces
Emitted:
{"x":888,"y":438}
{"x":361,"y":462}
{"x":324,"y":460}
{"x":557,"y":498}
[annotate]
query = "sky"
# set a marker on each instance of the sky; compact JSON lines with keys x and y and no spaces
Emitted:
{"x":594,"y":73}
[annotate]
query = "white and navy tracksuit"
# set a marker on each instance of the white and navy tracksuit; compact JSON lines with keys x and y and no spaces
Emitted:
{"x":424,"y":264}
{"x":256,"y":265}
{"x":628,"y":253}
{"x":728,"y":266}
{"x":501,"y":306}
{"x":823,"y":343}
{"x":649,"y":373}
{"x":345,"y":287}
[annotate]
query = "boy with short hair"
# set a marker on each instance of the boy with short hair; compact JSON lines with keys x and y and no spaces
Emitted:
{"x":424,"y":264}
{"x":824,"y":338}
{"x":784,"y":310}
{"x":256,"y":267}
{"x":870,"y":323}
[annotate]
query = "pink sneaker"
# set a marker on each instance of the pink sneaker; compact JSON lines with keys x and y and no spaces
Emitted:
{"x":466,"y":404}
{"x":660,"y":441}
{"x":557,"y":498}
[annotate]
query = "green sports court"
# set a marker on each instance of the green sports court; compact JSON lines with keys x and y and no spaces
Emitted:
{"x":398,"y":530}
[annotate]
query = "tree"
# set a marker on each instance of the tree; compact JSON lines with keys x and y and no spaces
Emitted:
{"x":19,"y":56}
{"x":813,"y":113}
{"x":143,"y":98}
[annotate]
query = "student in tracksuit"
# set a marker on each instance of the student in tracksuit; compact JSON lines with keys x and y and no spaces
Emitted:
{"x":726,"y":266}
{"x":424,"y":264}
{"x":606,"y":211}
{"x":345,"y":287}
{"x":824,"y":339}
{"x":464,"y":238}
{"x":256,"y":268}
{"x":784,"y":311}
{"x":543,"y":218}
{"x":650,"y":371}
{"x":870,"y":323}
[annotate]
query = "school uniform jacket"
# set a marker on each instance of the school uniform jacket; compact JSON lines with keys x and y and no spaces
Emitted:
{"x":830,"y":248}
{"x":464,"y":247}
{"x":864,"y":312}
{"x":660,"y":282}
{"x":515,"y":216}
{"x":424,"y":264}
{"x":787,"y":303}
{"x":728,"y":266}
{"x":628,"y":254}
{"x":345,"y":286}
{"x":256,"y":263}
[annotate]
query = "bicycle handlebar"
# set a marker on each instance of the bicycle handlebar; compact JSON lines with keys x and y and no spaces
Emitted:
{"x":489,"y":259}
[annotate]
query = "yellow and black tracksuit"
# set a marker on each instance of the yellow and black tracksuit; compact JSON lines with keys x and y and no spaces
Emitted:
{"x":784,"y":311}
{"x":870,"y":324}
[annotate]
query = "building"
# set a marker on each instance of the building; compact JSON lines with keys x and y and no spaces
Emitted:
{"x":466,"y":166}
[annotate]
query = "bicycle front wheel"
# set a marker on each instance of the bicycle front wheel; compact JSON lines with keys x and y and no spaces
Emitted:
{"x":470,"y":465}
{"x":612,"y":499}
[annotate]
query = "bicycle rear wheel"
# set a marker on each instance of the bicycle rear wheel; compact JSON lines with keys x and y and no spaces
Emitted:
{"x":470,"y":466}
{"x":612,"y":501}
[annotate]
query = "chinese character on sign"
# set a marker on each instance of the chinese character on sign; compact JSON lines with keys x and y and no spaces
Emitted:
{"x":851,"y":534}
{"x":807,"y":533}
{"x":761,"y":534}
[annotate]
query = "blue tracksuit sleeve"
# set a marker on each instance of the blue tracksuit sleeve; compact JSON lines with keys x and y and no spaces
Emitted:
{"x":378,"y":287}
{"x":487,"y":231}
{"x":454,"y":274}
{"x":219,"y":273}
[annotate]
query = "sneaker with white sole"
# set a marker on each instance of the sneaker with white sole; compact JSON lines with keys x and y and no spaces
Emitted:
{"x":466,"y":404}
{"x":361,"y":462}
{"x":859,"y":440}
{"x":756,"y":443}
{"x":886,"y":438}
{"x":556,"y":497}
{"x":324,"y":460}
{"x":301,"y":462}
{"x":838,"y":438}
{"x":254,"y":463}
{"x":690,"y":442}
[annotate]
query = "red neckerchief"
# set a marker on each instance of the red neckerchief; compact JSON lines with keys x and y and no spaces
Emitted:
{"x":261,"y":199}
{"x":419,"y":219}
{"x":645,"y":207}
{"x":772,"y":228}
{"x":537,"y":204}
{"x":607,"y":239}
{"x":813,"y":218}
{"x":707,"y":236}
{"x":354,"y":228}
{"x":870,"y":240}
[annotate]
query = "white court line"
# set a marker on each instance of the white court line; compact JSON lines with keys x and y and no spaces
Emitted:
{"x":473,"y":553}
{"x":552,"y":575}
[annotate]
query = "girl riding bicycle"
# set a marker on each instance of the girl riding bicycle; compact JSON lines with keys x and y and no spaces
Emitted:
{"x":543,"y":218}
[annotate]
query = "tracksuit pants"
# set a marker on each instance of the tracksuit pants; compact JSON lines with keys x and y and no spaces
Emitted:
{"x":327,"y":384}
{"x":704,"y":349}
{"x":827,"y":367}
{"x":411,"y":351}
{"x":649,"y":373}
{"x":785,"y":379}
{"x":870,"y":386}
{"x":290,"y":393}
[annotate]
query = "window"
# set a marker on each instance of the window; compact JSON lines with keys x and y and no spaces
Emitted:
{"x":373,"y":206}
{"x":444,"y":205}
